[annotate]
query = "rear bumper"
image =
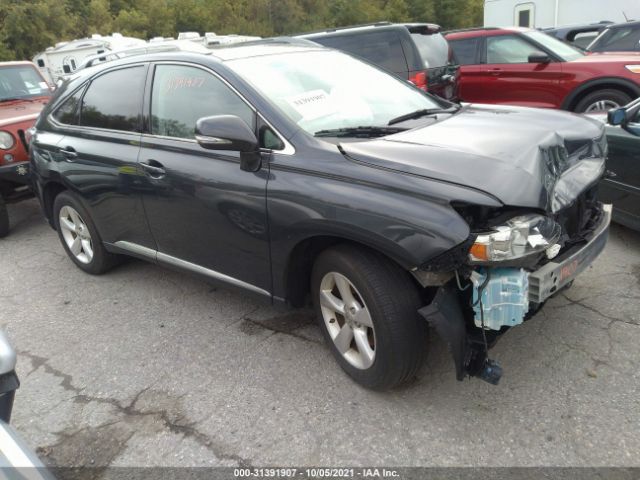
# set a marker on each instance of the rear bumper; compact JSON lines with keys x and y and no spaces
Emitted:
{"x":556,"y":274}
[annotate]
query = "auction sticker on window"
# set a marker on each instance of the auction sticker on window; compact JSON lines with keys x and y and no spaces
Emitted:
{"x":313,"y":104}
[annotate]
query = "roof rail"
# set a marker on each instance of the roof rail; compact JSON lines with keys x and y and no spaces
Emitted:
{"x":474,"y":29}
{"x":383,"y":23}
{"x":112,"y":55}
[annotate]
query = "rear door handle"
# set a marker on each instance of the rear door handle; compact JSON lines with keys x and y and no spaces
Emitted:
{"x":69,"y":153}
{"x":153,"y":168}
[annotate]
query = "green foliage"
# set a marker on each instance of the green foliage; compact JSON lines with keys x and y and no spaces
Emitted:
{"x":29,"y":26}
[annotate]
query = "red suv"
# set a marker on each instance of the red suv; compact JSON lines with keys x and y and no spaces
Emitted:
{"x":23,"y":94}
{"x":519,"y":66}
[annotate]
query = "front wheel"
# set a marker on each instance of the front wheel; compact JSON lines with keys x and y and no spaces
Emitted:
{"x":367,"y":310}
{"x":602,"y":101}
{"x":4,"y":218}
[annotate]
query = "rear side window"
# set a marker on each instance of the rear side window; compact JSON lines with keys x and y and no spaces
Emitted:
{"x":181,"y":95}
{"x":114,"y":100}
{"x":68,"y":113}
{"x":466,"y":50}
{"x":625,"y":39}
{"x":380,"y":48}
{"x":433,"y":48}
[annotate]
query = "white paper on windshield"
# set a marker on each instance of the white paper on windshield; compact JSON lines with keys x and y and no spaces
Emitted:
{"x":313,"y":104}
{"x":43,"y":85}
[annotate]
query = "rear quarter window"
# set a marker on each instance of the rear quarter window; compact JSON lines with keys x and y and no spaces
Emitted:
{"x":433,"y":48}
{"x":382,"y":48}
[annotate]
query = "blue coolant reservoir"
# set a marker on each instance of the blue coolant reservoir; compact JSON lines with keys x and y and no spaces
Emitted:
{"x":505,"y":297}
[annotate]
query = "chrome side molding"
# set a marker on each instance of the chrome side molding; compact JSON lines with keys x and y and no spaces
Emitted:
{"x":169,"y":260}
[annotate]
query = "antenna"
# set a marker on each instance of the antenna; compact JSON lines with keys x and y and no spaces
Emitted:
{"x":625,"y":16}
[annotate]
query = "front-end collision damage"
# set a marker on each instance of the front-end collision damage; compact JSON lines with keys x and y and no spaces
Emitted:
{"x":517,"y":258}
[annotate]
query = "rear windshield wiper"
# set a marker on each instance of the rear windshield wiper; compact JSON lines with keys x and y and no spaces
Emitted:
{"x":422,"y":113}
{"x":364,"y":132}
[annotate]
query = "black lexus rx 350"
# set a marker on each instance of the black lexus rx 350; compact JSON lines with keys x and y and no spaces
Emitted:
{"x":302,"y":174}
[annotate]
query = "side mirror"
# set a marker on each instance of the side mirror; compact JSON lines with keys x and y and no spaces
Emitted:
{"x":229,"y":132}
{"x":539,"y":57}
{"x":617,"y":116}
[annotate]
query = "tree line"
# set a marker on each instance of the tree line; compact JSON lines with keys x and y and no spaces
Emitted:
{"x":29,"y":26}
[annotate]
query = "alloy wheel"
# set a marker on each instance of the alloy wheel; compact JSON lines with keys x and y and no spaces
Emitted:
{"x":602,"y":106}
{"x":76,"y":234}
{"x":347,"y":320}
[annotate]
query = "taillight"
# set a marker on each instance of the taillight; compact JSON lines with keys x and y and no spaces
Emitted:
{"x":419,"y":80}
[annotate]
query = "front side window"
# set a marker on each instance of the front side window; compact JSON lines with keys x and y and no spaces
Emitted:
{"x":21,"y":81}
{"x":327,"y":89}
{"x":508,"y":49}
{"x":181,"y":95}
{"x":114,"y":100}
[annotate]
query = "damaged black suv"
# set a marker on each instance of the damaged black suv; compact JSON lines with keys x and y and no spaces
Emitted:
{"x":300,"y":173}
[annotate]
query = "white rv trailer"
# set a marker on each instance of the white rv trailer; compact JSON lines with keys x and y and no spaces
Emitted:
{"x":556,"y":13}
{"x":66,"y":57}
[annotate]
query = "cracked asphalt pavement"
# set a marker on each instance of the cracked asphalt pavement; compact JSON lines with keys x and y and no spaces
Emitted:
{"x":149,"y":367}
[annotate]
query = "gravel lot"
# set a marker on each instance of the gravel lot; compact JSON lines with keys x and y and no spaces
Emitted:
{"x":146,"y":366}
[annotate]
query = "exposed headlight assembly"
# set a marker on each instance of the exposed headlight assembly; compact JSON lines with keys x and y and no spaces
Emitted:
{"x":519,"y":237}
{"x":6,"y":140}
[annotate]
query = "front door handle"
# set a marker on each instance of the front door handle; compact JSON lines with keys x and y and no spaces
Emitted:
{"x":69,"y":153}
{"x":153,"y":168}
{"x":495,"y":71}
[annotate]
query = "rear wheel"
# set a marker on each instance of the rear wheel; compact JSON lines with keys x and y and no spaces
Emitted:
{"x":4,"y":218}
{"x":79,"y":236}
{"x":367,"y":310}
{"x":602,"y":101}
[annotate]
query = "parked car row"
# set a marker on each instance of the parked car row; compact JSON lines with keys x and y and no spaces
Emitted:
{"x":302,"y":173}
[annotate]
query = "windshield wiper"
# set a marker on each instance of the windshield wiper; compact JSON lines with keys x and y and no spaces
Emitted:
{"x":10,"y":99}
{"x":422,"y":113}
{"x":364,"y":132}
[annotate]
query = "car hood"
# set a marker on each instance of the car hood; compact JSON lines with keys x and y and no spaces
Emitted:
{"x":20,"y":111}
{"x":511,"y":153}
{"x":610,"y":57}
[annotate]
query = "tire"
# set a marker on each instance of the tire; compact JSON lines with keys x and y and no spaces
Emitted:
{"x":100,"y":260}
{"x":602,"y":100}
{"x":4,"y":218}
{"x":397,"y":336}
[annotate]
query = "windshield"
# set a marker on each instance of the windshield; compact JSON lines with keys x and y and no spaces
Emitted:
{"x":623,"y":39}
{"x":563,"y":50}
{"x":326,"y":90}
{"x":21,"y":81}
{"x":433,"y":49}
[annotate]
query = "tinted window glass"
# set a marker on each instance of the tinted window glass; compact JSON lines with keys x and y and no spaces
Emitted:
{"x":181,"y":95}
{"x":465,"y":50}
{"x":381,"y":48}
{"x":69,"y":113}
{"x":583,"y":39}
{"x":113,"y":100}
{"x":433,"y":49}
{"x":626,"y":39}
{"x":508,"y":49}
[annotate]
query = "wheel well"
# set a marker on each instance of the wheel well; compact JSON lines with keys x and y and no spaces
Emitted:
{"x":301,"y":260}
{"x":49,"y":194}
{"x":601,"y":86}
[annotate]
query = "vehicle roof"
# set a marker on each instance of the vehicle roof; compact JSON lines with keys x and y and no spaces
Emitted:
{"x":16,"y":63}
{"x":485,"y":32}
{"x":633,"y":23}
{"x":222,"y":54}
{"x":370,"y":26}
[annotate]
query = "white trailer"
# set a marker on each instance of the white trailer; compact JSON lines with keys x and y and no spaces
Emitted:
{"x":556,"y":13}
{"x":66,"y":57}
